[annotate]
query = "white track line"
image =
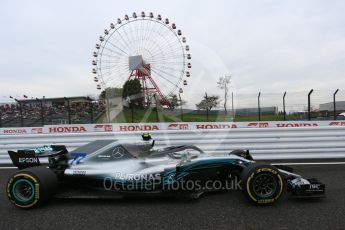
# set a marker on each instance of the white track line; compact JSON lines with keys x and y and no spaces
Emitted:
{"x":7,"y":167}
{"x":311,"y":163}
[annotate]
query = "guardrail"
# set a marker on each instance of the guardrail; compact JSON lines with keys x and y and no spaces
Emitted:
{"x":268,"y":143}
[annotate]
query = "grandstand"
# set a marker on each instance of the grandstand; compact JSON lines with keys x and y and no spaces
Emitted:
{"x":340,"y":106}
{"x":50,"y":111}
{"x":272,"y":110}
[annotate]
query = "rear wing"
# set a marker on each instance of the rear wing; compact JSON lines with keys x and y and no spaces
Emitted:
{"x":27,"y":158}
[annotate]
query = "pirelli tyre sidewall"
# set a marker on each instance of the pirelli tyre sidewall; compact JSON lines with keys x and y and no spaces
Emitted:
{"x":262,"y":184}
{"x":30,"y":187}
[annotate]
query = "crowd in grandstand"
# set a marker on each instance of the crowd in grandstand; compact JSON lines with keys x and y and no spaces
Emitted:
{"x":31,"y":114}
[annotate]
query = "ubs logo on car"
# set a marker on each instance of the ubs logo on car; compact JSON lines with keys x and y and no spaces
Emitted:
{"x":314,"y":186}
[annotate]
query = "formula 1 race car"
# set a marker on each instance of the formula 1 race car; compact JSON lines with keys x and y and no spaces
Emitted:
{"x":114,"y":168}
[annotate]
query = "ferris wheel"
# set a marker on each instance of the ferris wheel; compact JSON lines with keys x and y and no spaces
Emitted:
{"x":145,"y":47}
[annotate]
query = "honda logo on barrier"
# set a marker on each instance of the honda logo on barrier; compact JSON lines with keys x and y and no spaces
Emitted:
{"x":67,"y":129}
{"x":216,"y":126}
{"x":15,"y":131}
{"x":138,"y":127}
{"x":285,"y":125}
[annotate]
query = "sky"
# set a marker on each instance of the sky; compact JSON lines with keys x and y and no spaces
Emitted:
{"x":267,"y":46}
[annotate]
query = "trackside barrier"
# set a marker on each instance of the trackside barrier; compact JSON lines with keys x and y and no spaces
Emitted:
{"x":312,"y":142}
{"x":130,"y":127}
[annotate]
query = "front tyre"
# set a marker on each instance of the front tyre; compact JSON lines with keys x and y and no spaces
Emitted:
{"x":30,"y":187}
{"x":262,"y":184}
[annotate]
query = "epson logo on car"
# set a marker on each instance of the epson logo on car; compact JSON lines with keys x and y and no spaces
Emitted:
{"x":28,"y":160}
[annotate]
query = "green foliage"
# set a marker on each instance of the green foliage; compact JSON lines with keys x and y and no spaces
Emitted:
{"x":149,"y":115}
{"x":142,"y":116}
{"x":208,"y":102}
{"x":175,"y":101}
{"x":110,"y":93}
{"x":132,"y":93}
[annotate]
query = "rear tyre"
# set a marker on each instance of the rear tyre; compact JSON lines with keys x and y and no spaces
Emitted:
{"x":262,"y":184}
{"x":28,"y":188}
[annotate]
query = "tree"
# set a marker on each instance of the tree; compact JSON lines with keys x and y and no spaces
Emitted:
{"x":110,"y":93}
{"x":175,"y":101}
{"x":208,"y":102}
{"x":224,"y":83}
{"x":132,"y":91}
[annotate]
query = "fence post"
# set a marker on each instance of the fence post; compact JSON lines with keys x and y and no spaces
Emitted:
{"x":132,"y":112}
{"x":284,"y":112}
{"x":68,"y":110}
{"x":91,"y":115}
{"x":232,"y":106}
{"x":310,"y":92}
{"x":157,"y":117}
{"x":206,"y":106}
{"x":181,"y":111}
{"x":42,"y":111}
{"x":259,"y":109}
{"x":21,"y":113}
{"x":107,"y":94}
{"x":334,"y":105}
{"x":0,"y":116}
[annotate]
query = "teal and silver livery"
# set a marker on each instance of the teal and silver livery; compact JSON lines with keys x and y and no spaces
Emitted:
{"x":117,"y":168}
{"x":42,"y":149}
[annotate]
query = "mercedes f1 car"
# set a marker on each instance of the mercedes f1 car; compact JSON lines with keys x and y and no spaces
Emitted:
{"x":115,"y":168}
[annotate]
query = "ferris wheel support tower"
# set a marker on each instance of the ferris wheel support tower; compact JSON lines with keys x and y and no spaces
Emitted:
{"x":149,"y":88}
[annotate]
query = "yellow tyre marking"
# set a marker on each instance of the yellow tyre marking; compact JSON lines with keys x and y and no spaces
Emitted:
{"x":37,"y":190}
{"x":281,"y":186}
{"x":248,"y":189}
{"x":265,"y":170}
{"x":26,"y":175}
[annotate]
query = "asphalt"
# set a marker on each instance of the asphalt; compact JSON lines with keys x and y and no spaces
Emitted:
{"x":220,"y":210}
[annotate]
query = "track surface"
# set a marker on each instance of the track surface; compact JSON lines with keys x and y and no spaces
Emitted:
{"x":221,"y":210}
